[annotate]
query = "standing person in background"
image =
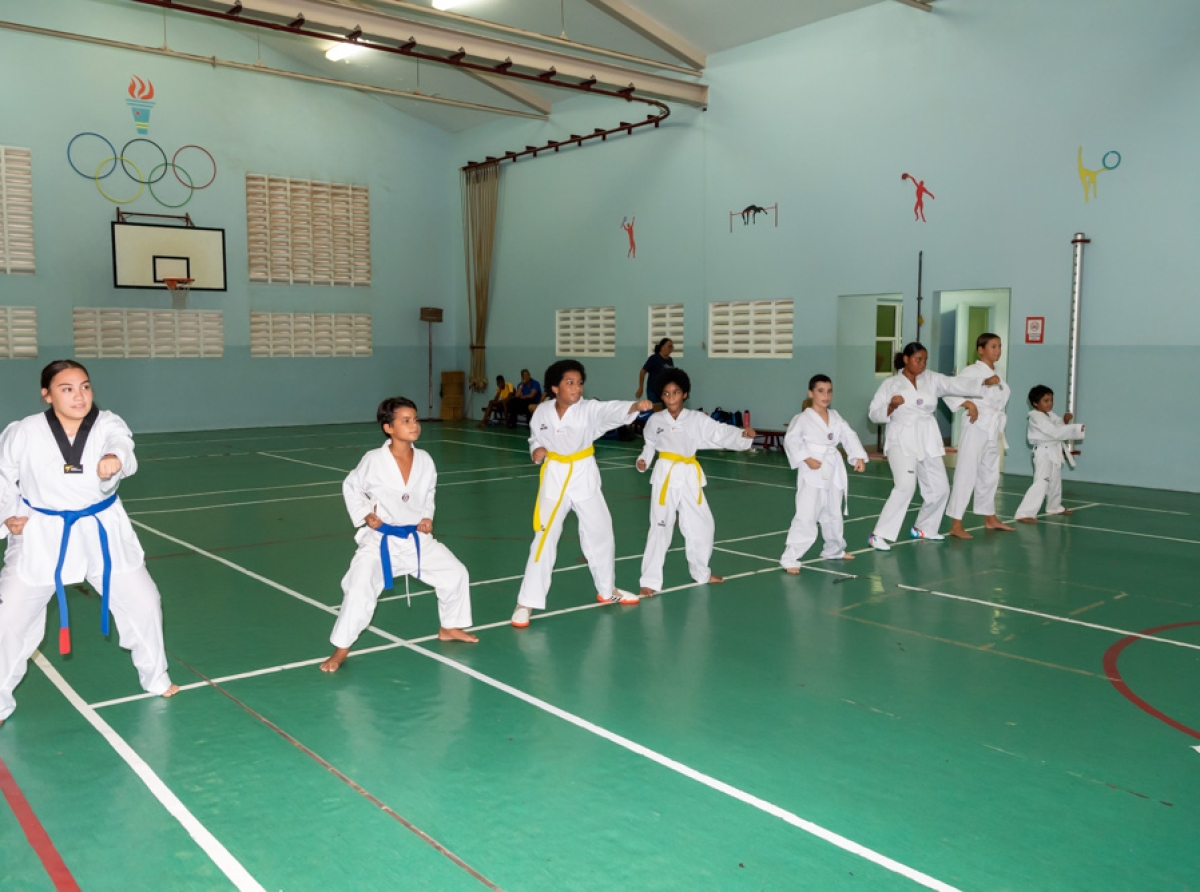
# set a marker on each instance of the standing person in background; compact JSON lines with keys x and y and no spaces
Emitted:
{"x":1050,"y":437}
{"x":647,"y":378}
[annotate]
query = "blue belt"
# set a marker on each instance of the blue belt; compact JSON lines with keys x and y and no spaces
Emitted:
{"x":388,"y":531}
{"x":69,"y":518}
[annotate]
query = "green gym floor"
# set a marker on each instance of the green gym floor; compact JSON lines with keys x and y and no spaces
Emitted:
{"x":1013,"y":712}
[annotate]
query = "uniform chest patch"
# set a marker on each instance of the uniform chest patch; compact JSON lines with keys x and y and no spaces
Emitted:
{"x":404,"y":498}
{"x":830,"y":436}
{"x":920,"y":402}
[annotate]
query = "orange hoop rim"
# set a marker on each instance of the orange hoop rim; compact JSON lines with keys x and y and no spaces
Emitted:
{"x":174,"y":283}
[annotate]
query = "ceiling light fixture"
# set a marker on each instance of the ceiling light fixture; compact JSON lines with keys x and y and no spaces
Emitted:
{"x":343,"y":51}
{"x":447,"y":4}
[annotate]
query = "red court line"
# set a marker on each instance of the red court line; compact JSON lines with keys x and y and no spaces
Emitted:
{"x":38,"y":838}
{"x":1114,"y":676}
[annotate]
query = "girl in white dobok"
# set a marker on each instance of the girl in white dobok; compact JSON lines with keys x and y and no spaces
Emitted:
{"x":59,"y":472}
{"x":906,"y":402}
{"x":981,"y":442}
{"x":677,"y":484}
{"x":562,"y":432}
{"x":811,"y":444}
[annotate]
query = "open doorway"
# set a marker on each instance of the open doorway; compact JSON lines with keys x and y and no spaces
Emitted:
{"x":963,"y":316}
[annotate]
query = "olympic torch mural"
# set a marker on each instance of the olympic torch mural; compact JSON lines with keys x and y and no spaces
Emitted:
{"x":140,"y":94}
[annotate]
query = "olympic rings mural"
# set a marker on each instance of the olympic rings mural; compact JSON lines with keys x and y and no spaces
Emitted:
{"x":97,"y":159}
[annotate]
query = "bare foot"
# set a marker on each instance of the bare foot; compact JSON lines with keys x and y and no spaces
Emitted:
{"x":1066,"y":511}
{"x":995,"y":523}
{"x":1026,"y":520}
{"x":647,"y":592}
{"x":847,"y":556}
{"x":956,"y":530}
{"x":454,"y":635}
{"x":171,"y":691}
{"x":714,"y":579}
{"x":795,"y":571}
{"x":334,"y":663}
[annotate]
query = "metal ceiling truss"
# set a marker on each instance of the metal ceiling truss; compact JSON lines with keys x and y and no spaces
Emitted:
{"x":436,"y":43}
{"x":520,"y":69}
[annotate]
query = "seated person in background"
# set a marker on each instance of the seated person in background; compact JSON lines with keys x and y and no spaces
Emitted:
{"x":503,"y":391}
{"x":525,"y":400}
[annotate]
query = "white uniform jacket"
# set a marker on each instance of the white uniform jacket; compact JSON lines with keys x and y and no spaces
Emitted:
{"x":377,"y":486}
{"x":685,"y":435}
{"x":580,"y":426}
{"x":1049,"y":437}
{"x":912,"y":426}
{"x":808,"y":436}
{"x":991,"y":408}
{"x":32,"y":467}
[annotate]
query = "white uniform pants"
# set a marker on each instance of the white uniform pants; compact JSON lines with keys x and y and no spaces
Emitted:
{"x":815,"y":505}
{"x":596,"y":540}
{"x":698,"y":528}
{"x":978,"y":469}
{"x":135,"y":606}
{"x":1047,"y":484}
{"x":363,"y":583}
{"x":908,"y":472}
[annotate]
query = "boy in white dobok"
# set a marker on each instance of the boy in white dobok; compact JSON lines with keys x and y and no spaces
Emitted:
{"x":811,"y":444}
{"x":59,"y":472}
{"x":562,"y":434}
{"x":677,"y":485}
{"x":390,"y":495}
{"x":980,"y":443}
{"x":1050,"y":437}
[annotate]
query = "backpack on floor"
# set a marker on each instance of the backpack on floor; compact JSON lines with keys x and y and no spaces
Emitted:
{"x":722,"y":416}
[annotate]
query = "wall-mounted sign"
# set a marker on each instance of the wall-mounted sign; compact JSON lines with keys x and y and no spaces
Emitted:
{"x":1035,"y":329}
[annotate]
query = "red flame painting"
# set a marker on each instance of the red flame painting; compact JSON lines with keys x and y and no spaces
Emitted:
{"x":140,"y":89}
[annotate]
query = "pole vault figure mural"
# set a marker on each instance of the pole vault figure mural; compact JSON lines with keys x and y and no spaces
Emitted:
{"x":628,"y":227}
{"x":919,"y":207}
{"x":749,"y":214}
{"x":1088,"y":177}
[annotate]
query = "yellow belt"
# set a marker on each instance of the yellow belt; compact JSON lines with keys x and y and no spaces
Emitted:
{"x":687,"y":460}
{"x":537,"y":506}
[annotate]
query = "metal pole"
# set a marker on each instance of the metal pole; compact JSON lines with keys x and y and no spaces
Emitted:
{"x":920,"y":269}
{"x":431,"y":370}
{"x":1073,"y":338}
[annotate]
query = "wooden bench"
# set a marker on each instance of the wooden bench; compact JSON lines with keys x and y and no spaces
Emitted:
{"x":770,"y":439}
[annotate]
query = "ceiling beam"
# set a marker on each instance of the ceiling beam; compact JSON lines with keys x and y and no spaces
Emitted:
{"x":654,"y":31}
{"x":375,"y":27}
{"x":453,"y":19}
{"x":917,"y":4}
{"x":513,"y":90}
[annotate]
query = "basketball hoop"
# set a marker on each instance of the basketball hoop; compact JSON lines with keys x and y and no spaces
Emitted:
{"x":179,"y":288}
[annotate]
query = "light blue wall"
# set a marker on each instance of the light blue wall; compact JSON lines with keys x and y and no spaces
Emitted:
{"x":257,"y":123}
{"x":988,"y":102}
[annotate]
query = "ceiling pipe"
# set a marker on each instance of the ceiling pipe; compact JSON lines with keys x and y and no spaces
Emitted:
{"x":457,"y":60}
{"x":214,"y":62}
{"x":469,"y":22}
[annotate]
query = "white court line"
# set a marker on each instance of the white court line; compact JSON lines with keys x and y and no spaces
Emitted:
{"x":324,"y":495}
{"x":223,"y":492}
{"x":1079,"y":526}
{"x":253,"y":673}
{"x":816,"y":830}
{"x":1135,"y":508}
{"x":1061,"y":619}
{"x":790,"y":486}
{"x":311,"y":464}
{"x":220,"y":856}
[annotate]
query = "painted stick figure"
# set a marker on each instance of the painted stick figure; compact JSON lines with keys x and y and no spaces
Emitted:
{"x":919,"y":207}
{"x":1088,"y":178}
{"x":628,"y":227}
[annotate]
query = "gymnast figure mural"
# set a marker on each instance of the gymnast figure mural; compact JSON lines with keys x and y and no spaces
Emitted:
{"x":919,"y":207}
{"x":750,"y":212}
{"x":1088,"y":177}
{"x":628,"y":227}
